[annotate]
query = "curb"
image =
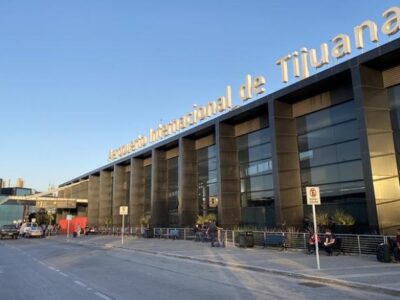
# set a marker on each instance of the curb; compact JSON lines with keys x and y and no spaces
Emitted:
{"x":326,"y":280}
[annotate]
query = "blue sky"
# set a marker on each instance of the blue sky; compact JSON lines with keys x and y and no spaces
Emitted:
{"x":78,"y":78}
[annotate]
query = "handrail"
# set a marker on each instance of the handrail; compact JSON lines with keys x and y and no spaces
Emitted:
{"x":355,"y":244}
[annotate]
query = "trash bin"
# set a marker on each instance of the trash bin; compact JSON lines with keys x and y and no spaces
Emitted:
{"x":246,"y":239}
{"x":148,"y":233}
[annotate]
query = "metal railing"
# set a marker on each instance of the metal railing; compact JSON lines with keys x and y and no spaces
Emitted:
{"x":351,"y":243}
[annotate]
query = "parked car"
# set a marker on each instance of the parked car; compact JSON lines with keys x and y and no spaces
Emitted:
{"x":10,"y":231}
{"x":33,"y":230}
{"x":24,"y":228}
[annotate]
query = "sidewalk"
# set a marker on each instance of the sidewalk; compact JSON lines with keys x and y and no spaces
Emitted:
{"x":363,"y":272}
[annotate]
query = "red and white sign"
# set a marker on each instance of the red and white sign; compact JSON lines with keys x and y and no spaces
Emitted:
{"x":313,"y":196}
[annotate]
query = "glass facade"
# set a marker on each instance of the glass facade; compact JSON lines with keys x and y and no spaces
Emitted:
{"x":172,"y":166}
{"x":394,"y":102}
{"x":256,"y":180}
{"x":147,"y":190}
{"x":207,"y":179}
{"x":330,"y":157}
{"x":9,"y":213}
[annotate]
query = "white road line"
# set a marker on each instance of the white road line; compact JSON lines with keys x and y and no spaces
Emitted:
{"x":52,"y":268}
{"x":102,"y":296}
{"x":63,"y":274}
{"x":80,"y":283}
{"x":42,"y":263}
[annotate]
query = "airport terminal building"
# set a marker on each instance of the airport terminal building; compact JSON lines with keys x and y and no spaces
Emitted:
{"x":338,"y":130}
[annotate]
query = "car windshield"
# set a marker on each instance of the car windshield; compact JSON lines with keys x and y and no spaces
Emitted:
{"x":8,"y":226}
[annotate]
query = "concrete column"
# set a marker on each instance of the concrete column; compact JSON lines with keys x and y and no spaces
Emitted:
{"x":61,"y":193}
{"x":83,"y":190}
{"x":286,"y":167}
{"x":75,"y":191}
{"x":136,"y":197}
{"x":119,"y":193}
{"x":187,"y":173}
{"x":159,"y":206}
{"x":377,"y":150}
{"x":105,"y":205}
{"x":228,"y":176}
{"x":67,"y":192}
{"x":93,"y":200}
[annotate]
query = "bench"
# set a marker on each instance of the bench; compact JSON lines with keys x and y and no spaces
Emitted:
{"x":275,"y":241}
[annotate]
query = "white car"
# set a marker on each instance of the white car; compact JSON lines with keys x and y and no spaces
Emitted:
{"x":33,"y":230}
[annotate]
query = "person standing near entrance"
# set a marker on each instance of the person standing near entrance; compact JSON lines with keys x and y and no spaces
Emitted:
{"x":212,"y":232}
{"x":78,"y":230}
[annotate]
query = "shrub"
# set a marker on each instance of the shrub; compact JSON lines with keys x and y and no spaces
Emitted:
{"x":322,"y":218}
{"x":342,"y":218}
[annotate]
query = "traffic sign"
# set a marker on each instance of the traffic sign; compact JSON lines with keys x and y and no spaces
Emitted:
{"x":69,"y":217}
{"x":123,"y":210}
{"x":313,"y":196}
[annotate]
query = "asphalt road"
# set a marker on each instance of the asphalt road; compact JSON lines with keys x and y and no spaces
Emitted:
{"x":57,"y":269}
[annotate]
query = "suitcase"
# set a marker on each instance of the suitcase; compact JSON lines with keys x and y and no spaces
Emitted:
{"x":383,"y":253}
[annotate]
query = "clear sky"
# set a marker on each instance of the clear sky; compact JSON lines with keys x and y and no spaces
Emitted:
{"x":78,"y":78}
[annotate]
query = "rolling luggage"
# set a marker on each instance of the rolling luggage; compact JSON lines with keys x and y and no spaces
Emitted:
{"x":383,"y":253}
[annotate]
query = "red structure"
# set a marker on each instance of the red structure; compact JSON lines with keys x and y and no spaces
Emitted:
{"x":82,"y":221}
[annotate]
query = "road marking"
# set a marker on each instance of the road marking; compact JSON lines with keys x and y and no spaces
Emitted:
{"x":63,"y":274}
{"x":52,"y":268}
{"x":102,"y":296}
{"x":42,"y":263}
{"x":80,"y":283}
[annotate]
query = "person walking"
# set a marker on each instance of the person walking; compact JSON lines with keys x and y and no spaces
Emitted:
{"x":78,"y":230}
{"x":212,"y":232}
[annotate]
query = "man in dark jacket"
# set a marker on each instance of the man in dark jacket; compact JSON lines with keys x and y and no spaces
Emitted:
{"x":212,"y":232}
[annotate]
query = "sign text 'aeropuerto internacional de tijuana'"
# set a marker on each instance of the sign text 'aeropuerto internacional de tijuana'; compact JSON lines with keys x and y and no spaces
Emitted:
{"x":299,"y":62}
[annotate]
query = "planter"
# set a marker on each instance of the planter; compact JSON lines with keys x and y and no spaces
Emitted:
{"x":246,"y":239}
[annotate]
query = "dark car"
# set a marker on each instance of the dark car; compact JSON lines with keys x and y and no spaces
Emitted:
{"x":10,"y":231}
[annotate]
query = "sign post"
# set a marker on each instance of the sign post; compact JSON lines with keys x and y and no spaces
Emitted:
{"x":69,"y":218}
{"x":123,"y":210}
{"x":313,"y":198}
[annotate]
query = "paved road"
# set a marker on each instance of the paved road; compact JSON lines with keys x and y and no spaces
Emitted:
{"x":56,"y":269}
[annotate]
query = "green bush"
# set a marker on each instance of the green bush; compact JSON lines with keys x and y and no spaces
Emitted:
{"x":342,"y":218}
{"x":322,"y":218}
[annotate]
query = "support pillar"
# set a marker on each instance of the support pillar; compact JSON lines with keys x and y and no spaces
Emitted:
{"x":93,"y":200}
{"x":286,"y":167}
{"x":118,"y":194}
{"x":228,"y":176}
{"x":377,"y":150}
{"x":159,"y":205}
{"x":136,"y":197}
{"x":105,"y":205}
{"x":187,"y":173}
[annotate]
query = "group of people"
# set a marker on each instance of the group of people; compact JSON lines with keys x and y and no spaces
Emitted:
{"x":330,"y":240}
{"x":328,"y":244}
{"x":207,"y":231}
{"x":50,"y":229}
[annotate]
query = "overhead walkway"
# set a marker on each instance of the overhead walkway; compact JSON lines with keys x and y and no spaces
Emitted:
{"x":47,"y":199}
